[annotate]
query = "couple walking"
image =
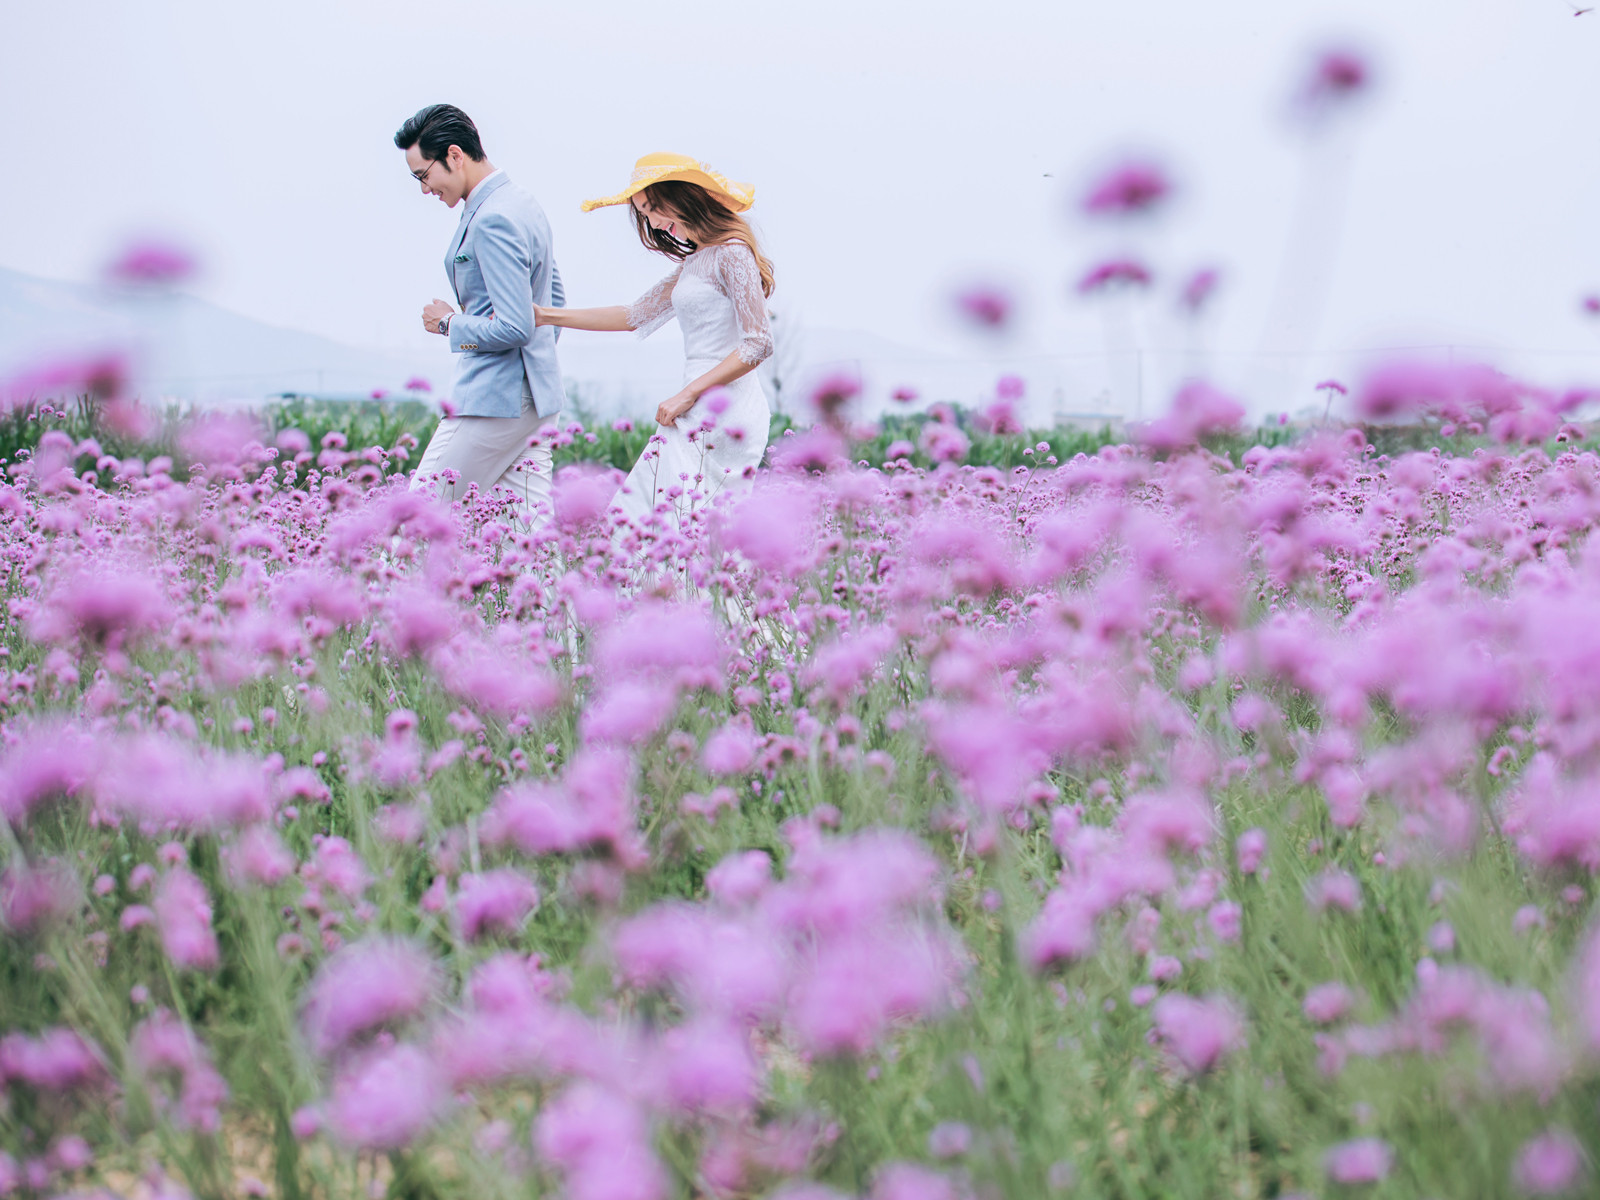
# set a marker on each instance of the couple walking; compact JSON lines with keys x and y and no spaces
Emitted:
{"x":508,"y":390}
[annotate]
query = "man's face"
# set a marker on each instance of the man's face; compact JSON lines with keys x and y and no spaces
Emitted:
{"x":442,"y":178}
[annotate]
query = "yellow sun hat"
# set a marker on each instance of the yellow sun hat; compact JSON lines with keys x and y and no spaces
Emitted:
{"x":654,"y":168}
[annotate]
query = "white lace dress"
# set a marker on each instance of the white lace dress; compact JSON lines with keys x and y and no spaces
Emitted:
{"x":716,"y":296}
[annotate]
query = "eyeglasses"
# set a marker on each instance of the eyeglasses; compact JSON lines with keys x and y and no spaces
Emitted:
{"x":423,"y":178}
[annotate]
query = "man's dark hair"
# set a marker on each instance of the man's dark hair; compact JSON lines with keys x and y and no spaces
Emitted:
{"x":438,"y":127}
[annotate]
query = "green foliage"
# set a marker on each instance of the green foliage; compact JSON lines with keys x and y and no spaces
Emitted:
{"x":362,"y":423}
{"x":383,"y":423}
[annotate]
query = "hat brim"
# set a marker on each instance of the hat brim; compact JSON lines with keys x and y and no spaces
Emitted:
{"x":737,"y":196}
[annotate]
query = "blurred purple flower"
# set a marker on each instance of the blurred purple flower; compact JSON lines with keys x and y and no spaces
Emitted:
{"x":820,"y":449}
{"x":368,"y":984}
{"x":33,"y":898}
{"x":386,"y":1098}
{"x":740,"y":877}
{"x":1198,"y":1033}
{"x":152,"y":263}
{"x":944,"y":442}
{"x":591,"y":806}
{"x":911,"y":1181}
{"x":221,"y":438}
{"x":582,"y":494}
{"x":856,"y":987}
{"x":1198,"y":291}
{"x":1198,"y":411}
{"x":1000,"y":418}
{"x":306,"y":1123}
{"x":1115,"y":273}
{"x":1586,"y":990}
{"x":339,"y":866}
{"x":1249,"y":850}
{"x":1226,"y":920}
{"x":949,"y":1139}
{"x":183,"y":916}
{"x":418,"y":384}
{"x":1327,"y":1003}
{"x":100,"y":376}
{"x":1134,"y":187}
{"x":1364,"y":1160}
{"x":601,"y":1143}
{"x":46,"y":763}
{"x":497,"y":901}
{"x":776,"y":529}
{"x":107,"y":607}
{"x":730,"y":750}
{"x":165,"y":1051}
{"x":706,"y":1065}
{"x":1453,"y":391}
{"x":1334,"y":888}
{"x":830,"y":394}
{"x":1550,"y":1165}
{"x":627,"y":713}
{"x":1337,"y":77}
{"x":984,"y":305}
{"x":904,"y":395}
{"x":57,"y":1060}
{"x":259,"y":857}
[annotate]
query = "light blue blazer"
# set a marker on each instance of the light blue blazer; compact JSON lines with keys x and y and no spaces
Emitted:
{"x":501,"y":264}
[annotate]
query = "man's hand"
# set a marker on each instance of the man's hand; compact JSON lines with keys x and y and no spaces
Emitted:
{"x":431,"y":315}
{"x":673,"y":408}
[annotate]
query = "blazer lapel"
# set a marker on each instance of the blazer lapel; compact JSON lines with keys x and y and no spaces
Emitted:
{"x":450,"y":257}
{"x":474,"y":202}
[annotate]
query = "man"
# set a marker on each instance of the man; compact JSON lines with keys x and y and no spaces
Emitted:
{"x":507,"y":382}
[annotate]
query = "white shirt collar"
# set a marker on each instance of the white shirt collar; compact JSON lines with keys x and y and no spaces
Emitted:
{"x":491,"y":175}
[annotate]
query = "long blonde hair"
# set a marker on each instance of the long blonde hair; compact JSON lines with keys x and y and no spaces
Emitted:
{"x":712,"y":222}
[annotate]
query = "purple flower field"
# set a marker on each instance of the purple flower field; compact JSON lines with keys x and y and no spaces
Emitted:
{"x":1137,"y":825}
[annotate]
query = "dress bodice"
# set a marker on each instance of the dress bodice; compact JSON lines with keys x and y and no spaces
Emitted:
{"x":716,"y":296}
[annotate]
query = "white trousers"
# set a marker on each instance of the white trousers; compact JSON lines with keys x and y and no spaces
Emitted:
{"x":488,"y":451}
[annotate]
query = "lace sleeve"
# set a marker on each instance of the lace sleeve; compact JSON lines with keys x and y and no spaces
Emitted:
{"x":740,"y":281}
{"x":653,"y":309}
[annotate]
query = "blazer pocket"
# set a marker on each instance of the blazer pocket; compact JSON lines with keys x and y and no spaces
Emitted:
{"x":469,"y":278}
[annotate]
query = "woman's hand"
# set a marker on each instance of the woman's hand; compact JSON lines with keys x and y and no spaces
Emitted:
{"x":541,"y":316}
{"x":674,"y":407}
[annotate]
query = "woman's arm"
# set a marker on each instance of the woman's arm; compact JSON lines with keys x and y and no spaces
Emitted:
{"x":612,"y":319}
{"x":644,"y":315}
{"x":725,"y":372}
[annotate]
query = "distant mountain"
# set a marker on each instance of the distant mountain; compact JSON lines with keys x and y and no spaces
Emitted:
{"x":191,"y":349}
{"x":183,"y":346}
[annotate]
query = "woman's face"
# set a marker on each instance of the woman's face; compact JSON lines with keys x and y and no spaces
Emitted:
{"x":662,"y":218}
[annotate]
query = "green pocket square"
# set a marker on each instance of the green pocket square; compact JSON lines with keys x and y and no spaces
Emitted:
{"x":462,"y":258}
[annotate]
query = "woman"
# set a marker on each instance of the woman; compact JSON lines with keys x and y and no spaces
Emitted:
{"x":686,"y":211}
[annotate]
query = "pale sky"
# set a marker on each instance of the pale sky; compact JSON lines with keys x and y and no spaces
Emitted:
{"x":897,"y":149}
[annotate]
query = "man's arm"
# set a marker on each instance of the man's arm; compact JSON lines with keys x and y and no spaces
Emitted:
{"x":506,"y":266}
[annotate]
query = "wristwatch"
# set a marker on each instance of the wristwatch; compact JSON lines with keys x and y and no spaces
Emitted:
{"x":444,"y":325}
